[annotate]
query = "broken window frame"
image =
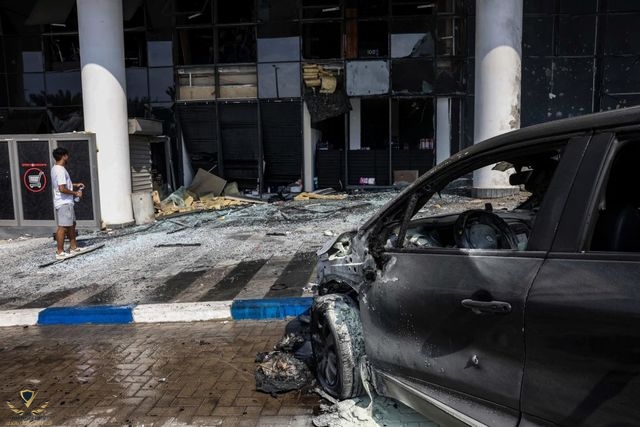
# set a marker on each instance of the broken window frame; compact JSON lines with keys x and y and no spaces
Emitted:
{"x":199,"y":13}
{"x":308,"y":41}
{"x":413,"y":8}
{"x":185,"y":36}
{"x":237,"y":81}
{"x":610,"y":195}
{"x":189,"y":77}
{"x":412,"y":65}
{"x":383,"y":42}
{"x":249,"y":18}
{"x":449,"y":36}
{"x":321,"y":9}
{"x":249,"y":54}
{"x":135,"y":49}
{"x":404,"y":26}
{"x":420,"y":145}
{"x":61,"y":52}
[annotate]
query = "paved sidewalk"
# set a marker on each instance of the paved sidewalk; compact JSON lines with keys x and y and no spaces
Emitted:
{"x":198,"y":373}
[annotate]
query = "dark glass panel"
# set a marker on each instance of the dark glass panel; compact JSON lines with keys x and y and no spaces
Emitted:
{"x":62,"y":52}
{"x":195,"y":46}
{"x":235,"y":12}
{"x":373,"y":39}
{"x":135,"y":49}
{"x":578,"y":6}
{"x":537,"y":33}
{"x":277,"y":11}
{"x":369,"y":8}
{"x":191,"y":12}
{"x":412,"y":7}
{"x":137,"y":85}
{"x":161,"y":84}
{"x":539,"y":6}
{"x":160,"y":53}
{"x":621,"y":74}
{"x":623,"y":5}
{"x":319,"y":9}
{"x":66,"y":119}
{"x":412,"y":38}
{"x":236,"y":44}
{"x":576,"y":35}
{"x":412,"y":76}
{"x":63,"y":88}
{"x":623,"y":36}
{"x":322,"y":40}
{"x":22,"y":54}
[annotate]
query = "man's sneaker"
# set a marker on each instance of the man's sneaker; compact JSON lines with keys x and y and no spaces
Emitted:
{"x":62,"y":255}
{"x":75,"y":251}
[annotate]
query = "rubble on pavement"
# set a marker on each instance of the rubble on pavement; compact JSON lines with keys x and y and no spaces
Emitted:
{"x":279,"y":372}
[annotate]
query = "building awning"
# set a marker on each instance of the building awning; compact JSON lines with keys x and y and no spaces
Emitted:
{"x":50,"y":12}
{"x":147,"y":127}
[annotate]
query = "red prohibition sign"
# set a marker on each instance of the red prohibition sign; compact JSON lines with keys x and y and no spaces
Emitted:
{"x":35,"y":180}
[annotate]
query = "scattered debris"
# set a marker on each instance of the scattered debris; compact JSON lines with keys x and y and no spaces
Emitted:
{"x":245,"y":199}
{"x":328,"y":233}
{"x":278,"y":233}
{"x":354,"y":412}
{"x":177,"y":245}
{"x":84,"y":251}
{"x":205,"y":183}
{"x":307,"y":196}
{"x":290,"y":342}
{"x":317,"y":76}
{"x":182,"y":201}
{"x":279,"y":371}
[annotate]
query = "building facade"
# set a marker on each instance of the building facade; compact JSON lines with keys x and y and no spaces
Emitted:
{"x":254,"y":90}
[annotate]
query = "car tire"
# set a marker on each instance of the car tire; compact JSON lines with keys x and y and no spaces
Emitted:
{"x":338,"y":345}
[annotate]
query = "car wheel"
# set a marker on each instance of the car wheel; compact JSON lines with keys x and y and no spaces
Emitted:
{"x":338,"y":345}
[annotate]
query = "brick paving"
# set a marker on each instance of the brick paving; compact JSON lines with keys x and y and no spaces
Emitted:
{"x":199,"y":373}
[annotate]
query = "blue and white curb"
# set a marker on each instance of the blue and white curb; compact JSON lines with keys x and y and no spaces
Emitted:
{"x":258,"y":309}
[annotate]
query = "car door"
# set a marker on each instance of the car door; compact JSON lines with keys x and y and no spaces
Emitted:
{"x":583,"y":312}
{"x":418,"y":329}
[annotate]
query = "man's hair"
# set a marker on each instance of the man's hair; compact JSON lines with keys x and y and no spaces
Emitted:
{"x":59,"y":152}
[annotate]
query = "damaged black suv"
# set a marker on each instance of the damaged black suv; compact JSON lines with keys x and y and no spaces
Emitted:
{"x":522,"y":314}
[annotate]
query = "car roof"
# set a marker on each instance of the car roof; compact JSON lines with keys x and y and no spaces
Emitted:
{"x":614,"y":119}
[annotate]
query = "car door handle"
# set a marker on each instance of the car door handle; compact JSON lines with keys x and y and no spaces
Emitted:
{"x":479,"y":307}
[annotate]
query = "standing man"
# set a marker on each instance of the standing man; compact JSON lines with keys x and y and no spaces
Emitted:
{"x":63,"y":195}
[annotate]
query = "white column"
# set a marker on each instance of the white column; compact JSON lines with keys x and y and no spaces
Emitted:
{"x":497,"y":82}
{"x":355,"y":128}
{"x":105,"y":103}
{"x":443,"y":129}
{"x":307,"y":149}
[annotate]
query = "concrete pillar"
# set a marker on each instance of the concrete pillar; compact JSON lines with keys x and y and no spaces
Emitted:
{"x":497,"y":83}
{"x":104,"y":102}
{"x":355,"y":127}
{"x":443,"y":129}
{"x":307,"y":149}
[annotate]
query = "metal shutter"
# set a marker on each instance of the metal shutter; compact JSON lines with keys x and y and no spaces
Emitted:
{"x":140,"y":153}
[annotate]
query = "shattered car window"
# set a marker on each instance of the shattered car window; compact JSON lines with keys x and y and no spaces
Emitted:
{"x":454,"y":217}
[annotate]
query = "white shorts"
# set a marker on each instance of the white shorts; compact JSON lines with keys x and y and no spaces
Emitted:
{"x":65,"y":215}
